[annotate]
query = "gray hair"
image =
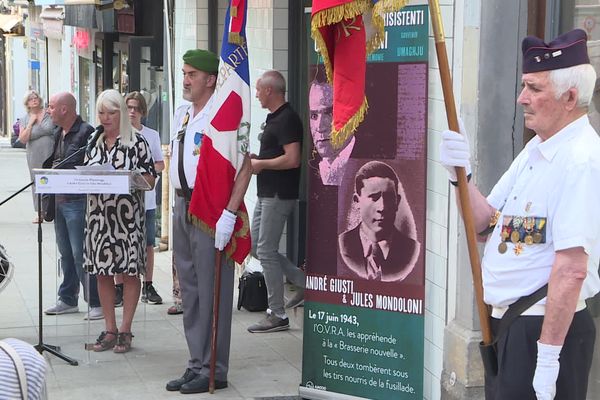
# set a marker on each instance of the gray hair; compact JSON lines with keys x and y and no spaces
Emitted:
{"x":581,"y":77}
{"x":274,"y":80}
{"x":30,"y":93}
{"x":111,"y":100}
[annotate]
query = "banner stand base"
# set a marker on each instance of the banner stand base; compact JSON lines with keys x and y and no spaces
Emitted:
{"x":317,"y":394}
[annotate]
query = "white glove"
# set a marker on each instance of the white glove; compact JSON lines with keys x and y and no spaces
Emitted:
{"x":455,"y":152}
{"x":546,"y":371}
{"x":224,"y":229}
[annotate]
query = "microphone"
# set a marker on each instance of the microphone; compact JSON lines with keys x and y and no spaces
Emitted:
{"x":94,"y":139}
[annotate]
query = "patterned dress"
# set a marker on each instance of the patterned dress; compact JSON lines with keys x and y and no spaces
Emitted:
{"x":115,"y":240}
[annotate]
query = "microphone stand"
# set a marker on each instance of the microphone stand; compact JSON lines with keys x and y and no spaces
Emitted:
{"x":41,"y":346}
{"x":77,"y":152}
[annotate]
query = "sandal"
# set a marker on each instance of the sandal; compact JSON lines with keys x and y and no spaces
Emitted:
{"x":175,"y":309}
{"x":103,"y":344}
{"x":123,"y":344}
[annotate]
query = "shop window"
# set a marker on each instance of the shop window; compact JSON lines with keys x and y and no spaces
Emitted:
{"x":85,"y":88}
{"x":585,"y":14}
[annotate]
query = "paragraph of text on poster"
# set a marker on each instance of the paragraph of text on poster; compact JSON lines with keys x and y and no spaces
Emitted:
{"x":364,"y":352}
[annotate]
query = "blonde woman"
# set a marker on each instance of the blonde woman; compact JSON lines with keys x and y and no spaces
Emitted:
{"x":115,"y":241}
{"x":37,"y":133}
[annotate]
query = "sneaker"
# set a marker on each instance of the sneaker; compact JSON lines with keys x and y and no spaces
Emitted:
{"x":149,"y":294}
{"x":271,"y":323}
{"x":61,"y":308}
{"x":175,"y":309}
{"x":297,"y":300}
{"x":118,"y":296}
{"x":94,"y":314}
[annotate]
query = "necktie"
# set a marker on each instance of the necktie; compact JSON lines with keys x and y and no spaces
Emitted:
{"x":374,"y":261}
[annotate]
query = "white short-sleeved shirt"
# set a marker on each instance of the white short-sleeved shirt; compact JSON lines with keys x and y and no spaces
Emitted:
{"x":558,"y":179}
{"x":196,"y":129}
{"x":153,"y":139}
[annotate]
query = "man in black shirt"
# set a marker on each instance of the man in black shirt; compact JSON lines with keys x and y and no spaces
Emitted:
{"x":277,"y":167}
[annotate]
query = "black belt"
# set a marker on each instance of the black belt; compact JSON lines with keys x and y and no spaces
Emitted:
{"x":181,"y":192}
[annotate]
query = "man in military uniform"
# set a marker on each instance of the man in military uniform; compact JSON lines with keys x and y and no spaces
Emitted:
{"x":545,"y":224}
{"x":193,"y":248}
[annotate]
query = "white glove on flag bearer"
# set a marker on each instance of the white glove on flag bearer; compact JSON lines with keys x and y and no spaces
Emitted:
{"x":224,"y":229}
{"x":455,"y":151}
{"x":546,"y":371}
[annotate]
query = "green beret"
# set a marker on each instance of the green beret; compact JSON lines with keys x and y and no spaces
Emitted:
{"x":203,"y":60}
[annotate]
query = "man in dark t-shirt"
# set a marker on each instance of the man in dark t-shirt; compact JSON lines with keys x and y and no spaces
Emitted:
{"x":277,"y":167}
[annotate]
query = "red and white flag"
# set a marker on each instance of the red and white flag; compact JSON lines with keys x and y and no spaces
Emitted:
{"x":225,"y":145}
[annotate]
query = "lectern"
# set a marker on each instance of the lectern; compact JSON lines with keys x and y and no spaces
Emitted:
{"x":88,"y":180}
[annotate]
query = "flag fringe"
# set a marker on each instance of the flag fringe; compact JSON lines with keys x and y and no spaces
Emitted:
{"x":386,"y":6}
{"x":332,"y":16}
{"x":242,"y":232}
{"x":236,"y":38}
{"x":318,"y":38}
{"x":339,"y":136}
{"x":380,"y":8}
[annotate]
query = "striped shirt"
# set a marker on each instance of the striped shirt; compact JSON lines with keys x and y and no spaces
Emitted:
{"x":35,"y":368}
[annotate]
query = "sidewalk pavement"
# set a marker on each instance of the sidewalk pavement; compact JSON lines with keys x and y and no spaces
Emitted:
{"x":261,"y":365}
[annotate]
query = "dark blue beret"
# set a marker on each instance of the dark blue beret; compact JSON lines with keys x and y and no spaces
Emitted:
{"x":567,"y":50}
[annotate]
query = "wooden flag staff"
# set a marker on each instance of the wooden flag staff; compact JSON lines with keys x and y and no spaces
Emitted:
{"x":463,"y":190}
{"x":215,"y":322}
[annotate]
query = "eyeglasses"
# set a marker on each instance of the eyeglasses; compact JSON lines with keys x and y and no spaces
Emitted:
{"x":133,"y":108}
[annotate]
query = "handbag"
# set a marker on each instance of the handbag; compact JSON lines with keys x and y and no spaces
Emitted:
{"x":252,"y":293}
{"x":48,"y":207}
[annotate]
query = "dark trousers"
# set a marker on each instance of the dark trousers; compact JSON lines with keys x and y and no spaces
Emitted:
{"x":195,"y":259}
{"x":69,"y":225}
{"x":517,"y":357}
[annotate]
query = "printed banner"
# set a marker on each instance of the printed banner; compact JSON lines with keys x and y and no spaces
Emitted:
{"x":365,"y":284}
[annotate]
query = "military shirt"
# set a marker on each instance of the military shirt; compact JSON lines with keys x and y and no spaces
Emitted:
{"x":550,"y":193}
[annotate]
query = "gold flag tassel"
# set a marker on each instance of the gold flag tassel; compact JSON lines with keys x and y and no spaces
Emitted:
{"x":340,"y":136}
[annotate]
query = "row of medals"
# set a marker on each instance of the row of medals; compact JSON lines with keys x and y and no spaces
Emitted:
{"x":515,"y":236}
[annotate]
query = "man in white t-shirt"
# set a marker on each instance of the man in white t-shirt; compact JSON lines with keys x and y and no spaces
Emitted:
{"x":544,"y":228}
{"x":137,"y":108}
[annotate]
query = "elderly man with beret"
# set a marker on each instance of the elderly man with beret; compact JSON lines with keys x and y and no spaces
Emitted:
{"x":543,"y":222}
{"x":194,"y":250}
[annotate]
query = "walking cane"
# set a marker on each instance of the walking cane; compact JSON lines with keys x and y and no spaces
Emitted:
{"x":215,"y":322}
{"x":463,"y":190}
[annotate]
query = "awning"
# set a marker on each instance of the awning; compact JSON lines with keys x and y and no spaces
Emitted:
{"x":97,"y":3}
{"x":9,"y":21}
{"x":66,"y":2}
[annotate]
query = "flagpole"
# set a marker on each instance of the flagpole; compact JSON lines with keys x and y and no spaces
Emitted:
{"x":215,"y":322}
{"x":463,"y":190}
